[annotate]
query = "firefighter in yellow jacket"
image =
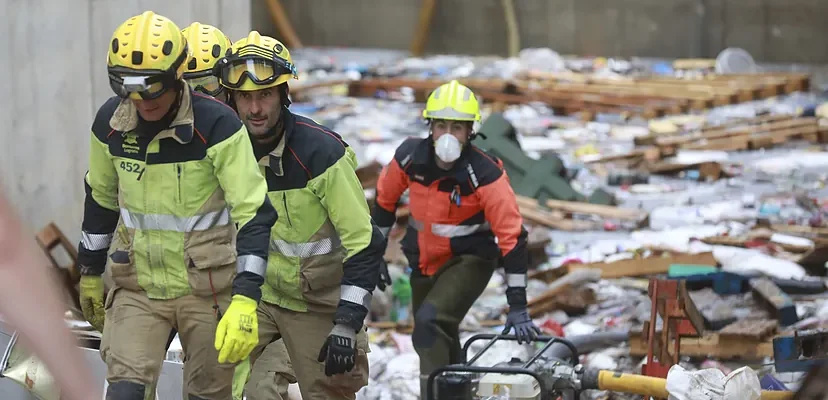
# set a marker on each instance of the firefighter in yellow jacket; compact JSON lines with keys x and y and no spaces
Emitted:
{"x":273,"y":373}
{"x":326,"y":253}
{"x":176,"y":166}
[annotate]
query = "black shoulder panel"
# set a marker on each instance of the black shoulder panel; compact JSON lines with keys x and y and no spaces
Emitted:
{"x":316,"y":146}
{"x":484,"y":166}
{"x":406,"y":150}
{"x":101,"y":126}
{"x":213,"y":120}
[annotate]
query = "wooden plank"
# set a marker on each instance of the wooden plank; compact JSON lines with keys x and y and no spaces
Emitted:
{"x":646,"y":266}
{"x":597,"y":209}
{"x":711,"y":345}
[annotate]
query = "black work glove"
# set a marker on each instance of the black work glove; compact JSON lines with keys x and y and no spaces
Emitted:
{"x":384,"y":278}
{"x":339,"y":350}
{"x":525,"y":329}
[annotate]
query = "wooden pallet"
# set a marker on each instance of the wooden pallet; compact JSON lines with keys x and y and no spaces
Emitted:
{"x":562,"y":101}
{"x":703,"y":92}
{"x":650,"y":97}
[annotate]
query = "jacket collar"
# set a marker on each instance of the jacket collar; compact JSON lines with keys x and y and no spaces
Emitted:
{"x":125,"y":118}
{"x":273,"y":159}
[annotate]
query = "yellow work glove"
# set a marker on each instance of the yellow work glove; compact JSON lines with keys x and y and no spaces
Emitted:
{"x":92,"y":300}
{"x":238,"y":331}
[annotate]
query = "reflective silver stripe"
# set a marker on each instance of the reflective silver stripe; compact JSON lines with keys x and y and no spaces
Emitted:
{"x":355,"y":294}
{"x":305,"y":250}
{"x":95,"y":241}
{"x":446,"y":230}
{"x":450,"y":113}
{"x":516,"y":280}
{"x":251,"y":263}
{"x":165,"y":222}
{"x":385,"y":230}
{"x":449,"y":230}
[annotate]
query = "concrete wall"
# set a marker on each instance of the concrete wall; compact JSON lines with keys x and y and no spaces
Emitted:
{"x":772,"y":30}
{"x":54,"y":54}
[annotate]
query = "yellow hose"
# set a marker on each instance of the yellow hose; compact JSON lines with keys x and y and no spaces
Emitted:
{"x":657,"y":387}
{"x":633,"y":384}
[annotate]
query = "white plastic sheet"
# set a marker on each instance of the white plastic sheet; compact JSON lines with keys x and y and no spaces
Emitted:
{"x":713,"y":384}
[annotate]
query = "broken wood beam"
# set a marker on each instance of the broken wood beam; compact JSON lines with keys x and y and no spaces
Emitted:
{"x":646,"y":266}
{"x":714,"y":345}
{"x":597,"y":209}
{"x":773,"y":299}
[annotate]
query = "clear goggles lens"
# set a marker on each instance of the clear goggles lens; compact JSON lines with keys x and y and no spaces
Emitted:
{"x":137,"y":87}
{"x":208,"y":85}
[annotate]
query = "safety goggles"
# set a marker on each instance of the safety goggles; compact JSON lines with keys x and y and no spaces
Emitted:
{"x":234,"y":72}
{"x":140,"y":87}
{"x":144,"y":84}
{"x":204,"y":82}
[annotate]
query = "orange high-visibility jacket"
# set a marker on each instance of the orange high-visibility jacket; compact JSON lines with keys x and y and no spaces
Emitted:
{"x":470,"y":209}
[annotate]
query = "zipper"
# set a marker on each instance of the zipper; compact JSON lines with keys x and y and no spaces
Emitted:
{"x":287,"y":214}
{"x":178,"y":171}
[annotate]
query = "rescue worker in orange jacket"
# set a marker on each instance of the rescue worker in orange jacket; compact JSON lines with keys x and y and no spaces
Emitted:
{"x":464,"y":220}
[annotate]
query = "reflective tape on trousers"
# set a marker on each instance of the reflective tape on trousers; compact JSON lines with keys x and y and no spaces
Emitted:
{"x":307,"y":249}
{"x":355,"y":294}
{"x":449,"y":230}
{"x":251,"y":263}
{"x":95,"y":241}
{"x":165,"y":222}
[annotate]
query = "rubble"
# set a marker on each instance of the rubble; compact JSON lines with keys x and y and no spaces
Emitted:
{"x":716,"y":189}
{"x":716,"y":181}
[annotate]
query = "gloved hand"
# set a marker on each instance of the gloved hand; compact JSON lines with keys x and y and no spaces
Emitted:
{"x":238,"y":331}
{"x":339,"y":350}
{"x":525,"y":329}
{"x":384,"y":277}
{"x":92,"y":300}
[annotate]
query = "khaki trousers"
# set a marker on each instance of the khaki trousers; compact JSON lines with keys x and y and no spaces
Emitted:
{"x":304,"y":333}
{"x":137,"y":327}
{"x":272,"y":373}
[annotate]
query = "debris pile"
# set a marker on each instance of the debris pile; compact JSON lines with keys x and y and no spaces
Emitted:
{"x":681,"y":215}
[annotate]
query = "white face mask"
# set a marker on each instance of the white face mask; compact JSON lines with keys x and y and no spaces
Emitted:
{"x":448,"y":148}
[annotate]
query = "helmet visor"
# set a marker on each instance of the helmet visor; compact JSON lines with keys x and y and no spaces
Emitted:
{"x":257,"y":70}
{"x":208,"y":85}
{"x":138,"y":87}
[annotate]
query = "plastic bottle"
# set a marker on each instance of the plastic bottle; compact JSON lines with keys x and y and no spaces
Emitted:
{"x":401,"y":289}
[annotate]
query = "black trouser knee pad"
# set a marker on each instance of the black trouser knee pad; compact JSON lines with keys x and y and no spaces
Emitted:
{"x":125,"y":390}
{"x":425,"y":326}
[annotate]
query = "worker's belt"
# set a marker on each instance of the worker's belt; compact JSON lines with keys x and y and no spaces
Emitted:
{"x":307,"y":249}
{"x":165,"y":222}
{"x":449,"y":230}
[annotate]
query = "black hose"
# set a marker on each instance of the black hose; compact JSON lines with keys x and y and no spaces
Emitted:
{"x":587,"y":343}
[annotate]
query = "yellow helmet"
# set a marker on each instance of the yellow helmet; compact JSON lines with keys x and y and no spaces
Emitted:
{"x":208,"y":45}
{"x":452,"y":101}
{"x":256,"y":62}
{"x":147,"y":56}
